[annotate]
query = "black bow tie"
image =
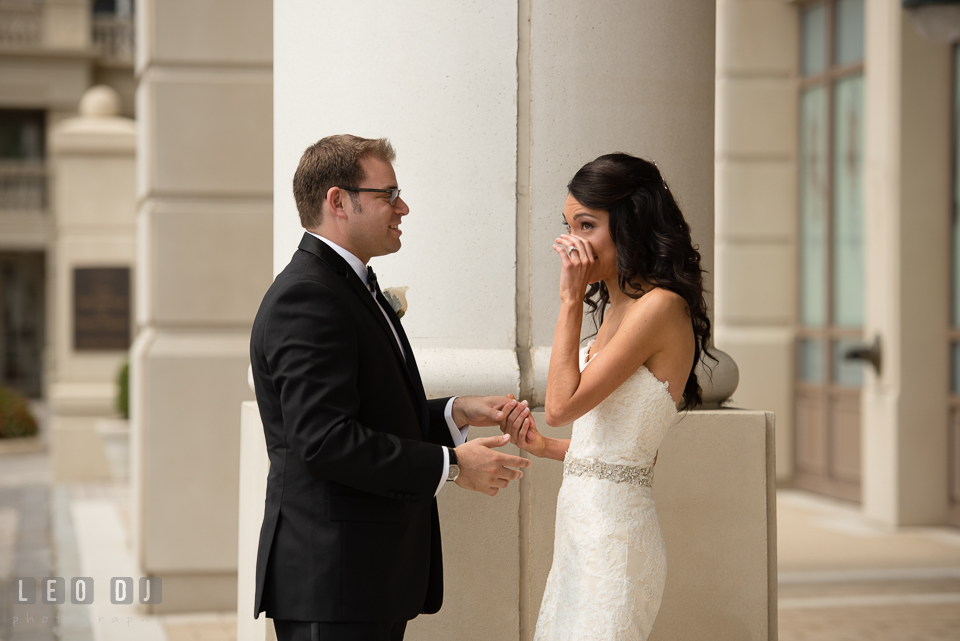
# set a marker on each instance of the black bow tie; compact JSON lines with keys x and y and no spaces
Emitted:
{"x":371,"y":280}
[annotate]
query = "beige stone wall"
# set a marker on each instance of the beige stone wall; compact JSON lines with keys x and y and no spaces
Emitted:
{"x":907,"y":203}
{"x":907,"y":187}
{"x":715,"y":494}
{"x":756,"y":198}
{"x":204,"y":167}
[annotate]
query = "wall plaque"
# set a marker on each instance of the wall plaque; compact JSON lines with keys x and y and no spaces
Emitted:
{"x":101,"y":308}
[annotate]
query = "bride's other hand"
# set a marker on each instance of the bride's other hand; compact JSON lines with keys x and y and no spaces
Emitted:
{"x":519,"y":424}
{"x":576,"y":264}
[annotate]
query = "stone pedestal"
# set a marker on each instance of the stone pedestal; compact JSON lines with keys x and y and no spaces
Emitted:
{"x":94,"y":250}
{"x":204,"y":172}
{"x":715,"y":490}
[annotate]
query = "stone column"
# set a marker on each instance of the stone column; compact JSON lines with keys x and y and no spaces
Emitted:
{"x":203,"y":184}
{"x":756,"y":173}
{"x":440,"y":80}
{"x":907,"y":207}
{"x":491,"y":116}
{"x":610,"y":76}
{"x":93,"y":258}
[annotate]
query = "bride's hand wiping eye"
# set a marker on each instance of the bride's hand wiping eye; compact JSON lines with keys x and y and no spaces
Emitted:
{"x":576,"y":265}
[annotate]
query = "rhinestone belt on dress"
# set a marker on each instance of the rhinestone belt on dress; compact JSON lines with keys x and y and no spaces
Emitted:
{"x":610,"y":471}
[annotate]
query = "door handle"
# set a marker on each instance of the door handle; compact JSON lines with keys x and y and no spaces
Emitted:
{"x":870,"y":353}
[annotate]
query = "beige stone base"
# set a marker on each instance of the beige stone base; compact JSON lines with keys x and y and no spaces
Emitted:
{"x":716,"y":499}
{"x":76,"y":450}
{"x":186,"y":389}
{"x":197,"y":593}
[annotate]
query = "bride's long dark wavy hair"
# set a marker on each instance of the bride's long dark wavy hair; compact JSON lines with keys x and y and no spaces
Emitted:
{"x":652,"y":240}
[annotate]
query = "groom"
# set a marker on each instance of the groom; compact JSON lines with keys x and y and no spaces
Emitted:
{"x":350,"y":542}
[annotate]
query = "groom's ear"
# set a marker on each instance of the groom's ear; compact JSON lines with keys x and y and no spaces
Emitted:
{"x":334,"y":202}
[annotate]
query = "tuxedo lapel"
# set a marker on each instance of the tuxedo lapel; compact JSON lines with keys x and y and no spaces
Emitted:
{"x":340,"y":266}
{"x":411,"y":363}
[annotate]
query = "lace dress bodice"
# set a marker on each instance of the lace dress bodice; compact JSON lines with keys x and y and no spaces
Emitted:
{"x":626,"y":427}
{"x":609,"y":562}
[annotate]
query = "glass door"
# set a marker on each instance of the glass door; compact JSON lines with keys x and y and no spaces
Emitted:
{"x":831,"y":248}
{"x":22,"y":284}
{"x":954,"y":427}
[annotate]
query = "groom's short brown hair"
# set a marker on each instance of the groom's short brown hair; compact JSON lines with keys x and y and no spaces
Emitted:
{"x":333,"y":161}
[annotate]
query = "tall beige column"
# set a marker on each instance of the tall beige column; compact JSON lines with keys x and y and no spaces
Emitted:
{"x":636,"y":77}
{"x":204,"y":245}
{"x":756,"y":224}
{"x":93,"y":155}
{"x":907,"y":207}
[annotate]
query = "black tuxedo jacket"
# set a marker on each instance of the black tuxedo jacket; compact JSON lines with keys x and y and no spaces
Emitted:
{"x":350,"y":529}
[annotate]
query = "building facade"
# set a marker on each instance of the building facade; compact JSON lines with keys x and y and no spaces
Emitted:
{"x":835,"y":213}
{"x":51,"y":52}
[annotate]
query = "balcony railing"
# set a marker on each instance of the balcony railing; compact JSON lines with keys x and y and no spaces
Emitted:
{"x":23,"y":186}
{"x":21,"y":23}
{"x":113,"y":38}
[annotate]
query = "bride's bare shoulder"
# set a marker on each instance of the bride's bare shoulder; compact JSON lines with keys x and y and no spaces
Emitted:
{"x":660,"y":305}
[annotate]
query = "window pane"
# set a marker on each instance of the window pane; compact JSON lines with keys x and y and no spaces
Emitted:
{"x":956,"y":187}
{"x":812,"y":368}
{"x":955,"y":379}
{"x":104,"y":6}
{"x":813,"y":46}
{"x":848,"y":255}
{"x":21,"y":134}
{"x":848,"y":47}
{"x":846,"y":372}
{"x":813,"y":207}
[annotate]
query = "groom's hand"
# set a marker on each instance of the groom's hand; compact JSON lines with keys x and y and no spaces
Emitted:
{"x":483,"y":469}
{"x":522,"y":429}
{"x":479,"y":411}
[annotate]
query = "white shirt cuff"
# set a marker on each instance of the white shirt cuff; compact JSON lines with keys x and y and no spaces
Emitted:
{"x":459,"y":436}
{"x":446,"y":470}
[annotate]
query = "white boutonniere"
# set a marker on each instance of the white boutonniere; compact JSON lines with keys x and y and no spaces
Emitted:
{"x":397,"y":297}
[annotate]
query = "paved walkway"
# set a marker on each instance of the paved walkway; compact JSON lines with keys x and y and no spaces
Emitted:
{"x":842,"y":578}
{"x":26,"y":547}
{"x":77,"y":530}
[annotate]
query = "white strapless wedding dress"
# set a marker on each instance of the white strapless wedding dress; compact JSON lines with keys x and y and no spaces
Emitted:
{"x":609,"y":562}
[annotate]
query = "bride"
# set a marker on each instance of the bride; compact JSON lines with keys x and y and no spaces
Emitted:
{"x":627,"y":254}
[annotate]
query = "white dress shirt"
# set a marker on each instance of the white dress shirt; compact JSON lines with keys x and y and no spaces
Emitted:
{"x":458,"y":434}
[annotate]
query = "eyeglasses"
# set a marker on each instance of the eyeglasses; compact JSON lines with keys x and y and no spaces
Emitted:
{"x":394,"y":193}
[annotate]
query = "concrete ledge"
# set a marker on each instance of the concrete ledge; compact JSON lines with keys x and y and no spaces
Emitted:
{"x":468,"y":372}
{"x":715,"y":492}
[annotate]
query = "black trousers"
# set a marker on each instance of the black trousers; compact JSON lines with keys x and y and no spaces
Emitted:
{"x":307,"y":631}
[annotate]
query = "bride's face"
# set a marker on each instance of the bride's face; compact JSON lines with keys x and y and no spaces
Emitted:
{"x":592,"y":225}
